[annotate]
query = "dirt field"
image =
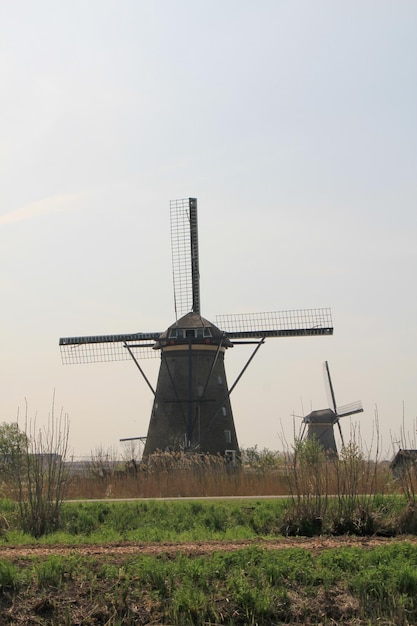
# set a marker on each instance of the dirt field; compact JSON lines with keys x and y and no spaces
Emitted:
{"x":113,"y":550}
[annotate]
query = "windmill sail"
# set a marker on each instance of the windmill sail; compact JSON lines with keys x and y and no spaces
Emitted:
{"x":329,"y":387}
{"x":340,"y":411}
{"x":350,"y":409}
{"x":104,"y":348}
{"x":185,"y":258}
{"x":296,"y":323}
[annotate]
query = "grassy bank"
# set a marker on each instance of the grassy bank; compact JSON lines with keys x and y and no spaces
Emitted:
{"x":203,"y":520}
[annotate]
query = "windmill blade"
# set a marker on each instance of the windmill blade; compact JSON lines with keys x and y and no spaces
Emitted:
{"x":350,"y":409}
{"x":340,"y":433}
{"x":329,"y":387}
{"x":103,"y":348}
{"x":296,"y":323}
{"x":185,"y":258}
{"x":345,"y":409}
{"x":303,"y":431}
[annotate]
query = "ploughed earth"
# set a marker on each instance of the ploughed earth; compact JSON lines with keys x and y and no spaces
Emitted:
{"x":112,"y":550}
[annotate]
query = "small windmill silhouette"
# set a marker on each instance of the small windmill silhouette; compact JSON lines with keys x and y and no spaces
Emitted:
{"x":320,"y":424}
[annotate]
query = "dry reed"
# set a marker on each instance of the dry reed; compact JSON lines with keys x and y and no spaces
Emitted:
{"x":171,"y":475}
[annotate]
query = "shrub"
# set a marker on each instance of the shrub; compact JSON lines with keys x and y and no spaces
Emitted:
{"x":41,"y":479}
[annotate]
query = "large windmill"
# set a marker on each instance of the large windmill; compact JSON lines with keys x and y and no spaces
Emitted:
{"x":191,"y":408}
{"x":320,"y":424}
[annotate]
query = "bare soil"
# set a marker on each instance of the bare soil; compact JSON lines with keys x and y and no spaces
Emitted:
{"x":113,"y":550}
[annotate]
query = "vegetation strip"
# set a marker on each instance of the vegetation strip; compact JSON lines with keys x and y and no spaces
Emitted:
{"x":252,"y":585}
{"x":295,"y":560}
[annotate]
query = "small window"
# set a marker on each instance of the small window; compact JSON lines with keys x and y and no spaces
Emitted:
{"x":176,"y":333}
{"x":228,"y":436}
{"x":200,"y":390}
{"x":207,"y":332}
{"x":224,"y":411}
{"x":230,"y":456}
{"x":199,"y":333}
{"x":220,"y":381}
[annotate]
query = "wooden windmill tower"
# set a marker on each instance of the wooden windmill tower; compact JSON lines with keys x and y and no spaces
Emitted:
{"x":320,"y":424}
{"x":191,"y":408}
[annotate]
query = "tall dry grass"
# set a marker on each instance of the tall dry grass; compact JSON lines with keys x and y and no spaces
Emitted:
{"x":168,"y":475}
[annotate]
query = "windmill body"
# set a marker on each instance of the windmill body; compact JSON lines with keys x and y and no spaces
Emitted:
{"x":192,"y":408}
{"x":320,"y":427}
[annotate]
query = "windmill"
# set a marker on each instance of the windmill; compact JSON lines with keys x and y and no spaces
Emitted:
{"x":191,"y":408}
{"x":320,"y":424}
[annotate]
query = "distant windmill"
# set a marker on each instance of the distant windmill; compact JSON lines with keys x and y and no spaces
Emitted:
{"x":191,"y":408}
{"x":320,"y":424}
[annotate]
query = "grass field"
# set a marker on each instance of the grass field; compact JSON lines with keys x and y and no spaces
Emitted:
{"x":211,"y":561}
{"x":249,"y":586}
{"x":254,"y":584}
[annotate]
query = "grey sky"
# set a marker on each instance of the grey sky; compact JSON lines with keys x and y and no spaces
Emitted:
{"x":293,"y":123}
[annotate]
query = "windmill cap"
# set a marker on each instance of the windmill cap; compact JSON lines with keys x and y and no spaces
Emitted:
{"x":204,"y":331}
{"x":321,"y":416}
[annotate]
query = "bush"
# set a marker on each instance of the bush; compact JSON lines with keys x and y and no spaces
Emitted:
{"x":41,"y":479}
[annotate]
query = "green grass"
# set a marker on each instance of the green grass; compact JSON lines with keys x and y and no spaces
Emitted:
{"x":169,"y":521}
{"x":159,"y":521}
{"x":249,"y":586}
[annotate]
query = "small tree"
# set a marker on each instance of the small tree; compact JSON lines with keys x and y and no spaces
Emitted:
{"x":41,"y":478}
{"x":262,"y":461}
{"x":13,"y":442}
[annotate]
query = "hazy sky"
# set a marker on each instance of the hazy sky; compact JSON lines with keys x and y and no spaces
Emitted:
{"x":292,"y":122}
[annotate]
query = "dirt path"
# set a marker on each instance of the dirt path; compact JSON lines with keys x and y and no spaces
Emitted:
{"x":316,"y":544}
